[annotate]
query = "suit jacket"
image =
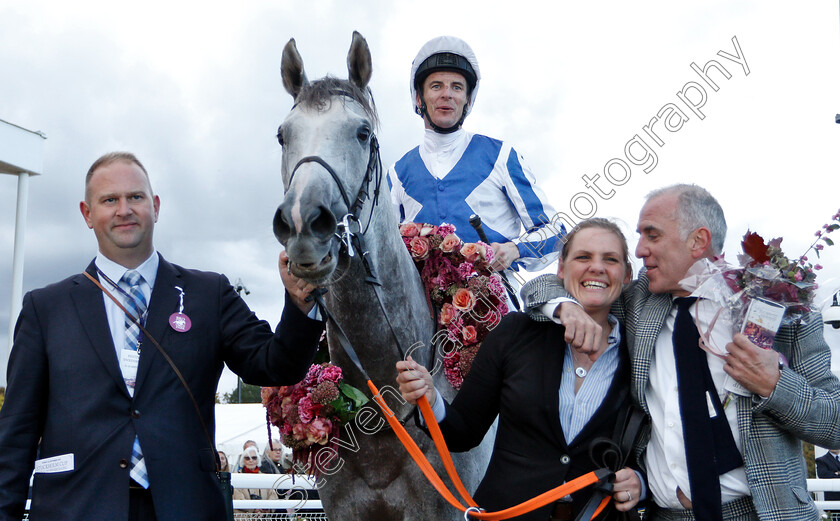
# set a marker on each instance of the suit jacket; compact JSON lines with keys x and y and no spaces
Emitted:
{"x":828,"y":468}
{"x":516,"y":375}
{"x":804,"y":406}
{"x":66,"y":395}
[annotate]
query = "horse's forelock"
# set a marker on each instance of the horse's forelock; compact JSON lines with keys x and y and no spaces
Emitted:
{"x":318,"y":94}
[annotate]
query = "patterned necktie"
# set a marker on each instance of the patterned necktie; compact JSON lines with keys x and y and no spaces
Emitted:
{"x":710,"y":449}
{"x":136,"y":305}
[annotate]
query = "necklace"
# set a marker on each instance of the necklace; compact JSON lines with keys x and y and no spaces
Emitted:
{"x":579,"y":370}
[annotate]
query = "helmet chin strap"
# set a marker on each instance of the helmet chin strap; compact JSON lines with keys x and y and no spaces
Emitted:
{"x":441,"y":130}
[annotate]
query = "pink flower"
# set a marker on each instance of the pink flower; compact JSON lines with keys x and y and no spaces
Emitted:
{"x":451,"y":243}
{"x":463,"y":299}
{"x":419,"y":247}
{"x":819,"y":247}
{"x":818,"y":233}
{"x":427,"y":229}
{"x":818,"y":267}
{"x":410,"y":230}
{"x":311,"y":375}
{"x":447,"y":313}
{"x":330,"y":373}
{"x":306,"y":409}
{"x":318,"y":431}
{"x":469,"y":335}
{"x":445,"y":229}
{"x":465,"y":269}
{"x":798,"y":276}
{"x":470,"y":251}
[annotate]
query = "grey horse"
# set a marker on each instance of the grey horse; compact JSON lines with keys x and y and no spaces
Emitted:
{"x":340,"y":232}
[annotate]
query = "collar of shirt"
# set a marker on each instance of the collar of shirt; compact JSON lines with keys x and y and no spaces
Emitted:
{"x":148,"y":269}
{"x":441,"y":152}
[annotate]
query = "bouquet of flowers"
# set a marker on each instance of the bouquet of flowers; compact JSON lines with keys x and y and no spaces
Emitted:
{"x":767,"y":290}
{"x":467,"y":293}
{"x":310,"y":413}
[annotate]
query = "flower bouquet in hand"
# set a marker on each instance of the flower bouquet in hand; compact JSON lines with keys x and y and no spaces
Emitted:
{"x":468,"y":295}
{"x":310,"y":413}
{"x":766,"y":291}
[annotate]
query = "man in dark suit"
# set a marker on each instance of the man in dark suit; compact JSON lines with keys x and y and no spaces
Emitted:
{"x":775,"y":407}
{"x":828,"y":467}
{"x":115,"y":434}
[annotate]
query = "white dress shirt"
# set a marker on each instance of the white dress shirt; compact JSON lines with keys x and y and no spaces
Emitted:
{"x":116,"y":316}
{"x":665,"y":455}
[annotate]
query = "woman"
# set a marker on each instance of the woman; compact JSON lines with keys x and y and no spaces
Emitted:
{"x":223,"y":461}
{"x":250,"y":462}
{"x":551,"y":401}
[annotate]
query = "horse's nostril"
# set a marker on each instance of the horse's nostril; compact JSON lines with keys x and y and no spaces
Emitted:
{"x":282,"y":229}
{"x":323,"y":224}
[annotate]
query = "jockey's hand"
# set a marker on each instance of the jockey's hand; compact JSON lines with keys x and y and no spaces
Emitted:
{"x":626,"y":489}
{"x":298,"y":288}
{"x":415,"y":381}
{"x":755,"y":368}
{"x":504,"y":254}
{"x":582,"y":332}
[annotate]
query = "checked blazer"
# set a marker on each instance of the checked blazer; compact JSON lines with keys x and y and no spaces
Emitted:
{"x":804,"y":406}
{"x":66,"y":396}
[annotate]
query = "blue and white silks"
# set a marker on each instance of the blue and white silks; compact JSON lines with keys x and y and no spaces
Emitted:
{"x":452,"y":176}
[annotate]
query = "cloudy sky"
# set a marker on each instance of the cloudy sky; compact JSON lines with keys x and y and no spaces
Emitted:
{"x":194,"y":89}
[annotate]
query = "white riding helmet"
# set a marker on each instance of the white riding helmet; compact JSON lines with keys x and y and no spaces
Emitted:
{"x":445,"y":53}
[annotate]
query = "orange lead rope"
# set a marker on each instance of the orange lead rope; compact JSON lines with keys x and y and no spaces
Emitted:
{"x":473,"y":510}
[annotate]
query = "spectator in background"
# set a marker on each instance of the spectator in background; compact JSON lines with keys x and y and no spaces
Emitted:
{"x":248,"y":443}
{"x":273,"y":458}
{"x":224,"y":464}
{"x":828,"y":467}
{"x":250,"y":463}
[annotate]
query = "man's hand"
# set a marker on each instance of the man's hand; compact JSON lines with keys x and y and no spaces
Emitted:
{"x":504,"y":254}
{"x":582,"y":332}
{"x":298,"y":288}
{"x":755,"y":368}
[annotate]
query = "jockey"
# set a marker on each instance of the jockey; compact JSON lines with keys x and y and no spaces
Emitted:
{"x":454,"y":174}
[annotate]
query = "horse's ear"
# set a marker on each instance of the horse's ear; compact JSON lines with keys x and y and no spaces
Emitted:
{"x":358,"y":61}
{"x":294,"y":78}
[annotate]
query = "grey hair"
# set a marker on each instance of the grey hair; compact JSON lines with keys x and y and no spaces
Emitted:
{"x":696,"y":208}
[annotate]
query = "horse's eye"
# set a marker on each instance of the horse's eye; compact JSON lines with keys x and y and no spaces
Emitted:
{"x":363,"y":133}
{"x":280,"y":135}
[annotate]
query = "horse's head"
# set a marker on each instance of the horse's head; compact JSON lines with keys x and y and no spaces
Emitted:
{"x":329,"y":151}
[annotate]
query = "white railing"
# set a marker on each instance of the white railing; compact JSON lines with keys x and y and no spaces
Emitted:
{"x":298,"y":488}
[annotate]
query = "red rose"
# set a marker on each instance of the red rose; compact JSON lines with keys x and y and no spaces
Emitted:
{"x":447,"y":313}
{"x":470,"y":251}
{"x":410,"y":230}
{"x":450,"y":243}
{"x":463,"y":299}
{"x":419,"y":247}
{"x":469,"y":334}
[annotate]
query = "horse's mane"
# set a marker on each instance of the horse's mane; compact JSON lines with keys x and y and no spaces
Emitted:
{"x":319,"y":93}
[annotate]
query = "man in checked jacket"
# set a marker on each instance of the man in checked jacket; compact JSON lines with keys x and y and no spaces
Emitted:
{"x":768,"y":404}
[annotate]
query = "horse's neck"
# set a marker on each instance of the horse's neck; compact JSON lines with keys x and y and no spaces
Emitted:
{"x":372,"y":317}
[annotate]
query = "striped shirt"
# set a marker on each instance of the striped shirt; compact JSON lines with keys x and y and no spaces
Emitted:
{"x":577,"y":409}
{"x":452,"y":176}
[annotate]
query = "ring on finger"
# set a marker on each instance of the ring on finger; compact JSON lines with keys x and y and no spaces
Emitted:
{"x":629,"y":496}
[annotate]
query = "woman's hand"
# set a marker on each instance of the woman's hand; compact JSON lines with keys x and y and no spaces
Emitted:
{"x":626,"y":489}
{"x":415,"y":381}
